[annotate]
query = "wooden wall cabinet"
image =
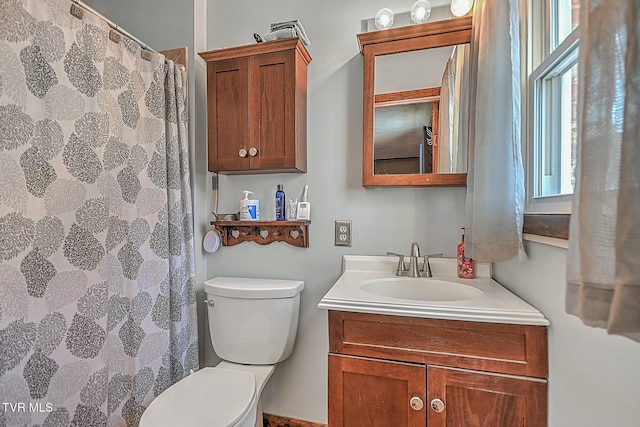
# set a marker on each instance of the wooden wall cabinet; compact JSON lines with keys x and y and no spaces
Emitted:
{"x":256,"y":107}
{"x":401,"y":371}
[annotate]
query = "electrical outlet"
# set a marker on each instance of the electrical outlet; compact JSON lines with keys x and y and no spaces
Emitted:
{"x":343,"y":233}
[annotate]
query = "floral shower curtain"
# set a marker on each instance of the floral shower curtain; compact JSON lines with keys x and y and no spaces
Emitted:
{"x":97,"y":298}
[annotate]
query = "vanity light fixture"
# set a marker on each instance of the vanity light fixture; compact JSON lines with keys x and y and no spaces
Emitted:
{"x":461,"y":7}
{"x":420,"y":11}
{"x":384,"y":19}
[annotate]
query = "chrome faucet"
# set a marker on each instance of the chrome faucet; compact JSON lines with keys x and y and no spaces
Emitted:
{"x":426,"y":267}
{"x":400,"y":270}
{"x":414,"y":271}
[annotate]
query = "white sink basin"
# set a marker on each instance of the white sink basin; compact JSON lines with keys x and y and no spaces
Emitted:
{"x":421,"y":289}
{"x":368,"y":284}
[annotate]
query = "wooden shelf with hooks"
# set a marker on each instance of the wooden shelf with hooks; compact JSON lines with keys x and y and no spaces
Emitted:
{"x":295,"y":233}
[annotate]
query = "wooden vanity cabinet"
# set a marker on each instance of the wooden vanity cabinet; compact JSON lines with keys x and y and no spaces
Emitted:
{"x":403,"y":371}
{"x":480,"y":399}
{"x":256,"y":107}
{"x":366,"y":392}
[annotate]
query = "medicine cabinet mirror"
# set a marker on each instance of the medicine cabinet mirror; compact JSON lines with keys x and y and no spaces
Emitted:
{"x":416,"y":104}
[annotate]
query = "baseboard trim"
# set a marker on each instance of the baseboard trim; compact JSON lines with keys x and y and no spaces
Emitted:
{"x":278,"y":421}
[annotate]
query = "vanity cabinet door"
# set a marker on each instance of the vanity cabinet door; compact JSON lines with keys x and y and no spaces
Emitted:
{"x":376,"y":393}
{"x":463,"y":398}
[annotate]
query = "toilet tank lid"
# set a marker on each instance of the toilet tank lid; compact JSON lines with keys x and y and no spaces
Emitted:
{"x":249,"y":288}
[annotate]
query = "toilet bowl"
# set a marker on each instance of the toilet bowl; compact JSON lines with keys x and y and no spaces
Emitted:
{"x":224,"y":396}
{"x":253,"y":325}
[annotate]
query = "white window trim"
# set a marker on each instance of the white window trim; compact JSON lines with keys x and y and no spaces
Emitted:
{"x":537,"y":13}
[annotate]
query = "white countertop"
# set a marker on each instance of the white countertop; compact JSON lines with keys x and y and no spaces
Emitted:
{"x":495,"y":305}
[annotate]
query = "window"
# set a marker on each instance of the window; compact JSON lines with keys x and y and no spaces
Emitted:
{"x":552,"y":82}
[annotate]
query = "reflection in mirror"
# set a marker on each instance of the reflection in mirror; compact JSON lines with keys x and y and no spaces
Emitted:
{"x":404,"y":127}
{"x":420,"y":119}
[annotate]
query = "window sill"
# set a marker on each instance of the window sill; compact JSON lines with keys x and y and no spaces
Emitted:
{"x":555,"y":226}
{"x":550,"y":241}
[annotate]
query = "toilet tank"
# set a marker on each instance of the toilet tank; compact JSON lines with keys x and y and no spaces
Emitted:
{"x":253,"y":321}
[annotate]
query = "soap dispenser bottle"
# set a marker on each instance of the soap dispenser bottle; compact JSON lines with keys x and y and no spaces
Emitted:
{"x":249,"y":209}
{"x":466,"y":266}
{"x":280,"y":203}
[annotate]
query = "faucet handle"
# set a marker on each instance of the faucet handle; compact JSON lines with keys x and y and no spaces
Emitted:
{"x":401,"y":267}
{"x":426,"y":267}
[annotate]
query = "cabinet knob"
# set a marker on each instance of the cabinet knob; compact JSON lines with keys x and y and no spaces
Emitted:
{"x":437,"y":405}
{"x":253,"y":151}
{"x":416,"y":403}
{"x":242,"y":152}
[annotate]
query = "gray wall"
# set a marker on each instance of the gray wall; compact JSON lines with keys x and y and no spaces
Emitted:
{"x":594,"y":377}
{"x":383,"y":219}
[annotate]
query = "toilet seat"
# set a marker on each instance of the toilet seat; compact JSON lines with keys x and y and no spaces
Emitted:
{"x":211,"y":397}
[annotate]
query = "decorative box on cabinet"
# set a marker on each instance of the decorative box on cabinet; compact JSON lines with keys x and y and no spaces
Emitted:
{"x":404,"y":371}
{"x":256,"y":107}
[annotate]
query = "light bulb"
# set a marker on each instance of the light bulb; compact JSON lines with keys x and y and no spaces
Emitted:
{"x":461,"y":7}
{"x":420,"y":11}
{"x":384,"y":19}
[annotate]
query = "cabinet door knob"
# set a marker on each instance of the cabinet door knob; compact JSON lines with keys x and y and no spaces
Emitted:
{"x":416,"y":403}
{"x":242,"y":152}
{"x":253,"y":151}
{"x":437,"y":405}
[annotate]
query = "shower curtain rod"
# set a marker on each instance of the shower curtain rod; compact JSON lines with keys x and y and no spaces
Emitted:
{"x":112,"y":24}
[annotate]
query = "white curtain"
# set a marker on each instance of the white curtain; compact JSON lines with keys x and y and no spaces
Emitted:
{"x":495,"y":180}
{"x":459,"y":153}
{"x":454,"y":113}
{"x":97,"y":271}
{"x":603,"y":263}
{"x":445,"y":118}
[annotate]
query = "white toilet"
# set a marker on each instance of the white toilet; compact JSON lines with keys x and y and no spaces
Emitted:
{"x":253,"y":325}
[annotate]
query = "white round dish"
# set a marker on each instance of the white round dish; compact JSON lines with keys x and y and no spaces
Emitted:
{"x":211,"y":242}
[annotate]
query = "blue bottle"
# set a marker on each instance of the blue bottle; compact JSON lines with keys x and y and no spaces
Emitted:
{"x":280,"y":203}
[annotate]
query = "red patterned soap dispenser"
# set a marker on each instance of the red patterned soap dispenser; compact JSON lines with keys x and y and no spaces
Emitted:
{"x":466,"y":266}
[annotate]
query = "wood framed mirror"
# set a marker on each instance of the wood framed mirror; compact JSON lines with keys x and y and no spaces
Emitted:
{"x":415,"y":109}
